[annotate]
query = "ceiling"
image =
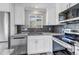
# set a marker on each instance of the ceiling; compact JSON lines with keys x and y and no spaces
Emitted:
{"x":38,"y":5}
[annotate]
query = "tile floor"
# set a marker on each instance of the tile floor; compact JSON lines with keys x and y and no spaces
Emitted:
{"x":19,"y":50}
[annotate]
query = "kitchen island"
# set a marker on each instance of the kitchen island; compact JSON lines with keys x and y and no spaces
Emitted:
{"x":35,"y":44}
{"x":40,"y":43}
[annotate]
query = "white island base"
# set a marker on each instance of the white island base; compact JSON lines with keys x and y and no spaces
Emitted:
{"x":38,"y":44}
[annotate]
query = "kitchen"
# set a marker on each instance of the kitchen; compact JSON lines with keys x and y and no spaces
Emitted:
{"x":39,"y":29}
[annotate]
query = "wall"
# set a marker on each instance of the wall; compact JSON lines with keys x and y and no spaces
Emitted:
{"x":12,"y":19}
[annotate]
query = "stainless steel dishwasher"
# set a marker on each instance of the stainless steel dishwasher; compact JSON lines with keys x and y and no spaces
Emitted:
{"x":19,"y":44}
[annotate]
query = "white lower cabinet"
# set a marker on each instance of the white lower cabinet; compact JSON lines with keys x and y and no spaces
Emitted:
{"x":39,"y":44}
{"x":31,"y":48}
{"x":76,"y":50}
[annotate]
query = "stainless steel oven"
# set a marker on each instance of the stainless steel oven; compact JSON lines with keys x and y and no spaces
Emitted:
{"x":71,"y":36}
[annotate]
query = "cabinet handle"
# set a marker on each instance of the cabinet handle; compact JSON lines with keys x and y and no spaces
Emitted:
{"x":19,"y":38}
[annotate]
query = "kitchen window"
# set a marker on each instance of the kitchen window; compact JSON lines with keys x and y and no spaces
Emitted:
{"x":36,"y":21}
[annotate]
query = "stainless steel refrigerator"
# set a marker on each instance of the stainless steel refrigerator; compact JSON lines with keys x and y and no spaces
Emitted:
{"x":4,"y":29}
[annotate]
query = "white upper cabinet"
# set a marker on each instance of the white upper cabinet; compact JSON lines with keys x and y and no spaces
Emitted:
{"x":19,"y":14}
{"x":58,"y":10}
{"x":5,"y":7}
{"x":64,"y":6}
{"x":51,"y":14}
{"x":60,"y":7}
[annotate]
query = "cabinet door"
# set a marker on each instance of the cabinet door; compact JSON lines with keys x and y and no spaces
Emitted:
{"x":35,"y":44}
{"x":47,"y":44}
{"x":64,"y":6}
{"x":76,"y":50}
{"x":51,"y":16}
{"x":31,"y":46}
{"x":19,"y":14}
{"x":40,"y":45}
{"x":60,"y":7}
{"x":44,"y":44}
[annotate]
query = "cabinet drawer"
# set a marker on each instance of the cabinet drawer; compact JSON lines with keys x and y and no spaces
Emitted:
{"x":31,"y":46}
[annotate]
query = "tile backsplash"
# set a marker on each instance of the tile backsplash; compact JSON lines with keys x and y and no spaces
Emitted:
{"x":44,"y":29}
{"x":47,"y":28}
{"x":58,"y":28}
